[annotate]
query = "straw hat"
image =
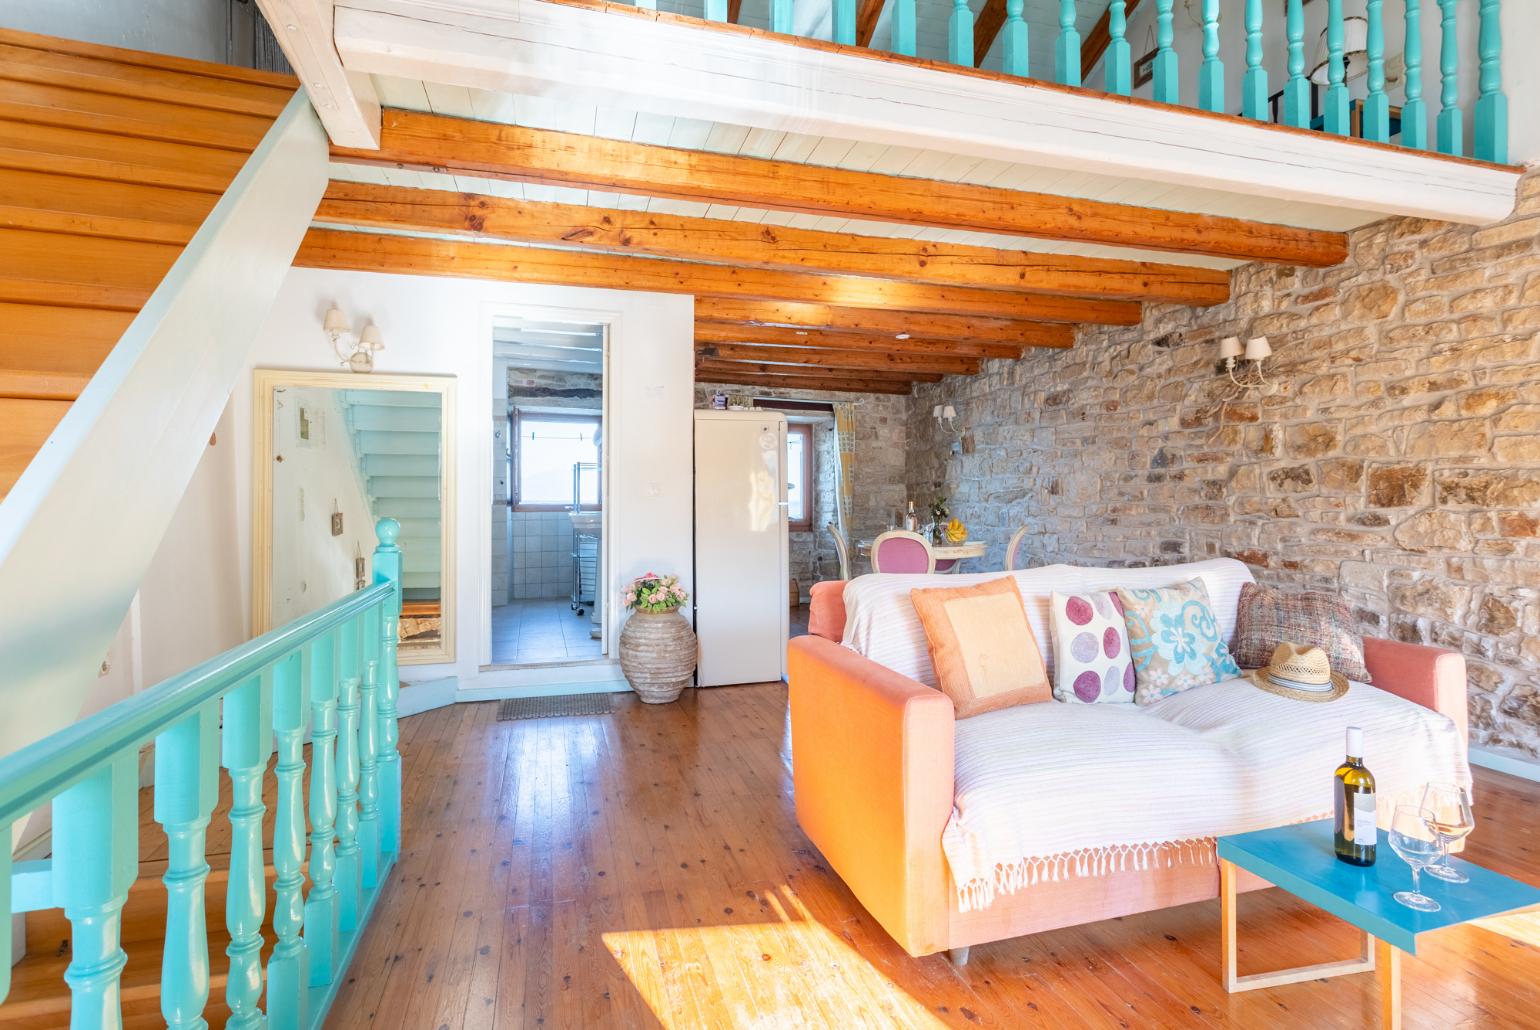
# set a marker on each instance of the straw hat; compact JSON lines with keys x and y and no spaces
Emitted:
{"x":1302,"y":673}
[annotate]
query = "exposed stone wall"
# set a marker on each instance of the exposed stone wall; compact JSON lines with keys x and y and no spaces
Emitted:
{"x":879,"y":473}
{"x":1397,"y":463}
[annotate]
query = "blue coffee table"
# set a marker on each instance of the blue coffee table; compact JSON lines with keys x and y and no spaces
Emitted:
{"x":1300,"y":860}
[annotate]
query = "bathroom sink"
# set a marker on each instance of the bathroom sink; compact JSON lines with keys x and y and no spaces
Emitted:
{"x":586,"y":521}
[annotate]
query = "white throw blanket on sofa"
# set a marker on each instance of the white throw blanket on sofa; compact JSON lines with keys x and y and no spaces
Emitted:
{"x":1051,"y":790}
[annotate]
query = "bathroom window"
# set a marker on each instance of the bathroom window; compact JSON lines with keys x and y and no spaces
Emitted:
{"x":799,"y":477}
{"x":553,"y":453}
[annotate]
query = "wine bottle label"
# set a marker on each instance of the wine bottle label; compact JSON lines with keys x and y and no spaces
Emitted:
{"x":1363,"y":820}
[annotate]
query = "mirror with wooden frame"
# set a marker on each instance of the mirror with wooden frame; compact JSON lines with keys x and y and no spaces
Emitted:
{"x":334,"y":453}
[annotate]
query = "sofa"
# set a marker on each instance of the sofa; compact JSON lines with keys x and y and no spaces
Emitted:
{"x":875,"y":759}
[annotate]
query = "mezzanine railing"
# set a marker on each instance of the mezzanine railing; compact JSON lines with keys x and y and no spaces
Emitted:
{"x":332,"y":673}
{"x":1490,"y":134}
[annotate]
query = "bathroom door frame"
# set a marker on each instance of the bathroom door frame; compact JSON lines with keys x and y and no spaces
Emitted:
{"x":608,"y":319}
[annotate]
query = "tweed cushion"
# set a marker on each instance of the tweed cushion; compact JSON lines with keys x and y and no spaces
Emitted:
{"x":1174,"y":639}
{"x":1266,"y":618}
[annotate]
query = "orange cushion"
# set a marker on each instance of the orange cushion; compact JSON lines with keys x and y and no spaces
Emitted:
{"x":982,"y":646}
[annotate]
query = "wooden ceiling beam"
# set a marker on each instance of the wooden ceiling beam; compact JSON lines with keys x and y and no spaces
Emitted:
{"x":412,"y":139}
{"x":840,"y":384}
{"x":782,"y":336}
{"x":838,"y":319}
{"x":330,"y":248}
{"x":848,"y":359}
{"x":767,"y":246}
{"x":345,"y":101}
{"x":768,"y":368}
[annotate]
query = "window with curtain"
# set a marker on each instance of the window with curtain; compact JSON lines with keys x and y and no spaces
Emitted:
{"x":800,"y":484}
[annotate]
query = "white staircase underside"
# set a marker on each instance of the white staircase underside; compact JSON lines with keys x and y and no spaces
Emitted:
{"x":660,"y":80}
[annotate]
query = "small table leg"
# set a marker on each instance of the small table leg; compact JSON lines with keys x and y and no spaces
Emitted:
{"x":1388,"y":972}
{"x":1277,"y":978}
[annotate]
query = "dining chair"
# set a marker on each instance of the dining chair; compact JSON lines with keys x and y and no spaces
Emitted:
{"x":898,"y":550}
{"x":841,"y":550}
{"x":1012,"y":547}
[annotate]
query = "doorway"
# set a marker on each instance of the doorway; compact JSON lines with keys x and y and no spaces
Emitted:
{"x":548,"y":489}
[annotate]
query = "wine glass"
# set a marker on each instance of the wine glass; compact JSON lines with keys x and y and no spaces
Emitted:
{"x":1452,"y":820}
{"x":1413,"y":837}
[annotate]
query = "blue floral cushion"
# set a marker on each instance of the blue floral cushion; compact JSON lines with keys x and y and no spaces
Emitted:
{"x":1174,"y":641}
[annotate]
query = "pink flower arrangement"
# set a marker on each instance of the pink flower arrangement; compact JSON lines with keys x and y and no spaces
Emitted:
{"x":653,"y":593}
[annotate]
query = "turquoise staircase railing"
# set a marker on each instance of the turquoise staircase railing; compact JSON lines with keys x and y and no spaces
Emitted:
{"x":1334,"y":110}
{"x":333,"y":673}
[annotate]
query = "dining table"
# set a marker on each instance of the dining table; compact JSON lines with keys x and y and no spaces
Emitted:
{"x":953,"y":553}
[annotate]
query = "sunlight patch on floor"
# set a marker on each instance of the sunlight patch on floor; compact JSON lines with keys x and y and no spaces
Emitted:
{"x":766,"y":975}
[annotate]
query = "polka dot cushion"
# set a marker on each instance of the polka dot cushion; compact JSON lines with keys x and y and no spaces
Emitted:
{"x":1090,"y":649}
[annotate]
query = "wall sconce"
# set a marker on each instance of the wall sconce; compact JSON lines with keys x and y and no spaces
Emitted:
{"x":1257,"y":350}
{"x":357,"y":352}
{"x":946,"y":419}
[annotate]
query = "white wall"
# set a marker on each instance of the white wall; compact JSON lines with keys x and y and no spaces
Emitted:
{"x":198,"y":29}
{"x":443,"y":327}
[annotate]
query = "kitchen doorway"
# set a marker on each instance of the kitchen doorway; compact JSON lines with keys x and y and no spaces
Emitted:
{"x":548,"y":493}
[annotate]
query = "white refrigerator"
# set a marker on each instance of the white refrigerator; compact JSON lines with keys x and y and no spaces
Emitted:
{"x":741,"y":563}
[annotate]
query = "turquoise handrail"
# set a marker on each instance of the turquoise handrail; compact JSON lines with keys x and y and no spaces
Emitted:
{"x":1326,"y":105}
{"x":228,"y":712}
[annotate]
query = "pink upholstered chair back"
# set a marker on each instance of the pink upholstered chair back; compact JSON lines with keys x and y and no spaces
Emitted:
{"x":901,"y":551}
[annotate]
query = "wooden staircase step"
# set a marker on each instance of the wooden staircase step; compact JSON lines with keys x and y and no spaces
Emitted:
{"x":145,"y":59}
{"x":80,"y":271}
{"x":90,"y":207}
{"x":66,"y":341}
{"x":101,"y":155}
{"x":28,"y":64}
{"x":41,"y":386}
{"x":145,"y":119}
{"x":24,"y":425}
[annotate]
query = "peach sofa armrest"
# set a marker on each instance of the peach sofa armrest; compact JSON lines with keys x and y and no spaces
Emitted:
{"x":1431,"y":676}
{"x":826,"y":610}
{"x":872,"y":770}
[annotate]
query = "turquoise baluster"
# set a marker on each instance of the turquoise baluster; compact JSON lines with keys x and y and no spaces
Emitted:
{"x":901,"y":28}
{"x":186,"y":790}
{"x":845,"y":22}
{"x":651,"y":5}
{"x":1335,"y":113}
{"x":1296,"y":92}
{"x":5,"y":909}
{"x":1492,"y":104}
{"x":1254,"y":86}
{"x":246,"y":743}
{"x":95,"y":859}
{"x":1376,"y":104}
{"x":1451,"y":123}
{"x":1414,"y":112}
{"x":1167,"y":87}
{"x":959,"y":46}
{"x":348,"y":895}
{"x":387,"y":568}
{"x":1117,"y":66}
{"x":716,"y":10}
{"x":288,"y":969}
{"x":1066,"y":50}
{"x":368,"y":743}
{"x":780,"y":16}
{"x":1211,"y":76}
{"x":319,"y":662}
{"x":1013,"y":41}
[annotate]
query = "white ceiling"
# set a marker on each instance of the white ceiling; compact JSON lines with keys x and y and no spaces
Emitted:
{"x":549,"y":346}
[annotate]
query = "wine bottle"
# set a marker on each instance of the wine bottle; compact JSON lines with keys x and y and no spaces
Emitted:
{"x":1353,"y":800}
{"x":911,"y":520}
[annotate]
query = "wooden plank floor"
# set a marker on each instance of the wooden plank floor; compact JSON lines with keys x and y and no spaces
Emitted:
{"x":644,"y":869}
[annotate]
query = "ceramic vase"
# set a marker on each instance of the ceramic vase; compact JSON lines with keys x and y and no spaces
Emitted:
{"x":657,"y":655}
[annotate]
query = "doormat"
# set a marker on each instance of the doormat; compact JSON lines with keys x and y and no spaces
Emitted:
{"x":513,"y":708}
